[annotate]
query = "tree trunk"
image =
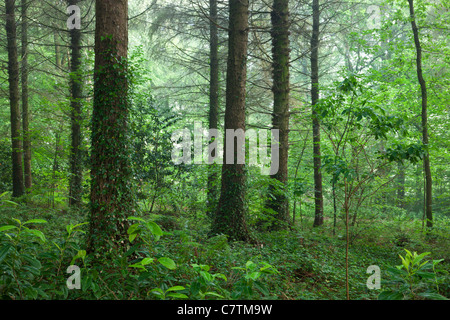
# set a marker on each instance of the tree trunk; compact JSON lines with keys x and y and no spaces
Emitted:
{"x":423,"y":88}
{"x":14,"y":99}
{"x":111,"y":174}
{"x":230,"y":217}
{"x":212,"y":193}
{"x":318,"y":194}
{"x":25,"y":105}
{"x":401,"y":186}
{"x":280,"y":117}
{"x":76,"y":89}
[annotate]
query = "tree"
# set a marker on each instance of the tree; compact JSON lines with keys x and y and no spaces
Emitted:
{"x":213,"y":117}
{"x":111,"y":174}
{"x":280,"y":117}
{"x":14,"y":99}
{"x":230,"y":217}
{"x":423,"y":89}
{"x":25,"y":104}
{"x":318,"y":195}
{"x":76,"y":90}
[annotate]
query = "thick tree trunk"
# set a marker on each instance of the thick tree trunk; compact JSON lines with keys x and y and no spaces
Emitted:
{"x":76,"y":89}
{"x":111,"y":174}
{"x":14,"y":99}
{"x":318,"y":195}
{"x":25,"y":105}
{"x":213,"y":118}
{"x":423,"y":88}
{"x":230,"y":218}
{"x":280,"y":117}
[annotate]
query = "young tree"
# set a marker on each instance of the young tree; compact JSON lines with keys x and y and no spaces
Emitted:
{"x":14,"y":99}
{"x":230,"y":217}
{"x":280,"y":117}
{"x":111,"y":174}
{"x":423,"y":89}
{"x":318,"y":195}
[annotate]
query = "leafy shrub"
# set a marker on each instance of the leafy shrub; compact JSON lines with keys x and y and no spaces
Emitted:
{"x":413,"y":280}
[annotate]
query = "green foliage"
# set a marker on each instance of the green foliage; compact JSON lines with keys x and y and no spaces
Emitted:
{"x":413,"y":280}
{"x":245,"y":287}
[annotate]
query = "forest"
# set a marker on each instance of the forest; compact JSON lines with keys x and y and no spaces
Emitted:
{"x":224,"y":150}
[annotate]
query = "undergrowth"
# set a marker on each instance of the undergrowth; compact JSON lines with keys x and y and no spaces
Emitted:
{"x":171,"y":257}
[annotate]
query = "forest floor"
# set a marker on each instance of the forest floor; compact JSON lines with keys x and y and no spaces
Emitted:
{"x":310,"y":262}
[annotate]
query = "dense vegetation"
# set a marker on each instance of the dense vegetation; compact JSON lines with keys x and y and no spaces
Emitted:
{"x":93,"y":116}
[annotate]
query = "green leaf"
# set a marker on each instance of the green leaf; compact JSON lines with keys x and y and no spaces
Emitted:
{"x":177,"y":295}
{"x":155,"y":229}
{"x":4,"y":251}
{"x":250,"y":265}
{"x":207,"y":276}
{"x":80,"y":254}
{"x":432,"y":296}
{"x":37,"y":233}
{"x":35,"y":221}
{"x":10,"y":202}
{"x":390,"y":295}
{"x":146,"y":261}
{"x":426,"y":275}
{"x":253,"y":275}
{"x":8,"y":227}
{"x":175,"y":288}
{"x":419,"y":258}
{"x":136,"y":218}
{"x":168,"y":263}
{"x":133,"y":236}
{"x":210,"y":293}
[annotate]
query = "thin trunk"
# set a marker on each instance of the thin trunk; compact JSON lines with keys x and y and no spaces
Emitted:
{"x":280,"y":117}
{"x":230,"y":217}
{"x":25,"y":105}
{"x":213,"y":118}
{"x":423,"y":89}
{"x":401,"y":186}
{"x":318,"y":194}
{"x":76,"y":175}
{"x":55,"y":168}
{"x":14,"y":99}
{"x":347,"y":239}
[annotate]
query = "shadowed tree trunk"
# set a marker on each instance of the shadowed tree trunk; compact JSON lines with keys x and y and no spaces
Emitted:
{"x":14,"y":99}
{"x":318,"y":195}
{"x":76,"y":89}
{"x":230,"y":216}
{"x":25,"y":105}
{"x":280,"y":117}
{"x":212,"y":192}
{"x":423,"y":89}
{"x":111,"y":174}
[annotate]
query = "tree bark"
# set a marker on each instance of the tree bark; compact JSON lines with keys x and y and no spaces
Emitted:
{"x":423,"y":89}
{"x":111,"y":174}
{"x":76,"y":89}
{"x":14,"y":99}
{"x":280,"y":117}
{"x":230,"y":218}
{"x":318,"y":194}
{"x":25,"y":104}
{"x":212,"y":193}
